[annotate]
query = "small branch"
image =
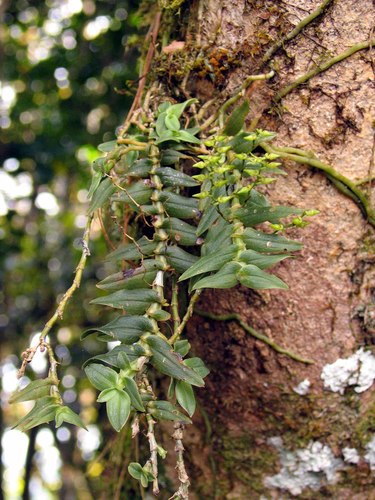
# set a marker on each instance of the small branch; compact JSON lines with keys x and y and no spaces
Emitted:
{"x":174,"y":305}
{"x":300,"y":26}
{"x":76,"y":282}
{"x":104,"y":230}
{"x":154,"y":30}
{"x":183,"y":491}
{"x":254,"y":333}
{"x":153,"y":452}
{"x":186,"y":317}
{"x":323,"y":67}
{"x":235,"y":97}
{"x":345,"y":185}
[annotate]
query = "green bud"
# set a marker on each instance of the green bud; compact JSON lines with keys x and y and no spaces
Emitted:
{"x":200,"y":177}
{"x":223,"y":199}
{"x":202,"y":195}
{"x":162,"y":452}
{"x":277,"y":227}
{"x":310,"y":213}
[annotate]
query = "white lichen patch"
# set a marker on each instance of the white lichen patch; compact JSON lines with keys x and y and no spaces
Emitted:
{"x":370,"y":455}
{"x":351,"y":455}
{"x":303,"y":387}
{"x":358,"y":370}
{"x":310,"y":467}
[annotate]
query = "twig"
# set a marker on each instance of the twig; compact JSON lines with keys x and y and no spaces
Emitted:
{"x":183,"y":491}
{"x":142,"y":81}
{"x":345,"y":185}
{"x":323,"y":67}
{"x":235,"y":97}
{"x":254,"y":333}
{"x":104,"y":230}
{"x":186,"y":317}
{"x":287,"y":38}
{"x":153,"y":452}
{"x":174,"y":305}
{"x":76,"y":282}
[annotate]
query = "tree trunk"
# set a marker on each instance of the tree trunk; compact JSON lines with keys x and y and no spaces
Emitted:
{"x":251,"y":413}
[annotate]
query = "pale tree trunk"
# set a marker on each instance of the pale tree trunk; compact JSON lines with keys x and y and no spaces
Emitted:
{"x":328,"y":313}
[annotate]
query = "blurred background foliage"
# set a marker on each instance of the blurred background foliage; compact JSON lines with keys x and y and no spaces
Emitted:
{"x":68,"y":72}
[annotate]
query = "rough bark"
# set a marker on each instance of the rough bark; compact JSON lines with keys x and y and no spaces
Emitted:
{"x":328,"y":313}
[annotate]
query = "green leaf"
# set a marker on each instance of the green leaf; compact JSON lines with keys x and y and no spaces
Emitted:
{"x":126,"y":329}
{"x":198,"y":366}
{"x":171,"y":121}
{"x":270,"y":243}
{"x":123,"y":361}
{"x":160,"y":127}
{"x":217,"y":237}
{"x":171,"y":156}
{"x":185,"y":136}
{"x":106,"y":395}
{"x":43,"y":411}
{"x":164,"y":410}
{"x":131,"y":301}
{"x":170,"y":363}
{"x":254,"y":214}
{"x":171,"y":389}
{"x":135,"y":470}
{"x":140,"y":168}
{"x":179,"y":206}
{"x":178,"y":109}
{"x":253,"y":277}
{"x":131,"y":251}
{"x":240,"y":145}
{"x":225,"y":278}
{"x":182,"y":347}
{"x":95,"y":181}
{"x":65,"y":414}
{"x":185,"y":397}
{"x":101,"y":376}
{"x":34,"y":390}
{"x":171,"y":177}
{"x":160,"y":315}
{"x":118,"y":409}
{"x":210,"y":262}
{"x":144,"y":480}
{"x":237,"y":118}
{"x":135,"y":194}
{"x":181,"y":232}
{"x":261,"y":260}
{"x":131,"y":388}
{"x":111,"y":358}
{"x":104,"y":191}
{"x":132,"y":279}
{"x":179,"y":259}
{"x":210,"y":216}
{"x":106,"y":147}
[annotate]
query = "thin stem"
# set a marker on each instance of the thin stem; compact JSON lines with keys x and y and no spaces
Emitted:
{"x":323,"y":67}
{"x":292,"y":34}
{"x":174,"y":305}
{"x":183,"y":491}
{"x":153,"y":452}
{"x":255,"y":334}
{"x":76,"y":282}
{"x":345,"y":185}
{"x":154,"y":30}
{"x":29,"y":353}
{"x":235,"y":97}
{"x":187,"y":316}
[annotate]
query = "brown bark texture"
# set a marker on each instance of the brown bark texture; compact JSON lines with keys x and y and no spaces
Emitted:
{"x":328,"y":313}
